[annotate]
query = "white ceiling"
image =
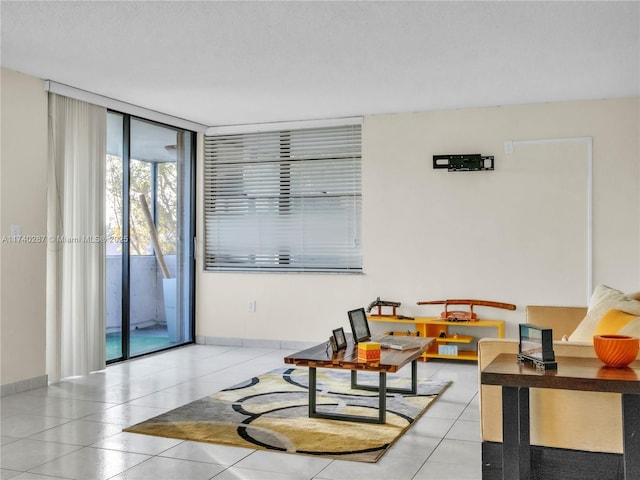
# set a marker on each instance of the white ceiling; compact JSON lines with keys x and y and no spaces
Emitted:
{"x":222,"y":63}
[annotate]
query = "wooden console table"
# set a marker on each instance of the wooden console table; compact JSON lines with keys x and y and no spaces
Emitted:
{"x":586,"y":374}
{"x":434,"y":326}
{"x":347,"y":359}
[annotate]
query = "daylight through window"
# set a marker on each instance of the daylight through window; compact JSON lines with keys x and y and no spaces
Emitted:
{"x":285,"y":200}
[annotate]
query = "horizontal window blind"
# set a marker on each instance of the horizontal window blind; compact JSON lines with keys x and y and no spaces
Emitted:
{"x":286,"y":200}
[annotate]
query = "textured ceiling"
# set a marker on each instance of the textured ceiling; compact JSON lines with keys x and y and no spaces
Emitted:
{"x":221,"y":63}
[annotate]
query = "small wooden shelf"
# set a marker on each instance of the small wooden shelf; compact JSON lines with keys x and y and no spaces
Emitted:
{"x":434,"y":327}
{"x":456,"y":339}
{"x":462,"y":355}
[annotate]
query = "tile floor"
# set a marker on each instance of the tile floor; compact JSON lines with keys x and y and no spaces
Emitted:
{"x":73,"y":430}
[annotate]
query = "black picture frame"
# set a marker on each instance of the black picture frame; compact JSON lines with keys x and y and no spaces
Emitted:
{"x":339,"y":338}
{"x":359,"y":325}
{"x":536,"y":346}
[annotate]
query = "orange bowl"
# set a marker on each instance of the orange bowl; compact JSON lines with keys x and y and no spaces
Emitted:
{"x":616,"y":350}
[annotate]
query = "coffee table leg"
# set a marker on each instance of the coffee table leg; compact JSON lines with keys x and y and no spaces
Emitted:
{"x":382,"y":398}
{"x":412,"y":389}
{"x":414,"y":377}
{"x":516,"y":456}
{"x":631,"y":435}
{"x":312,"y":391}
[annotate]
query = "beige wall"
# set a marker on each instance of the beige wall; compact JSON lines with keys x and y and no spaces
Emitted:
{"x":430,"y":234}
{"x":407,"y":205}
{"x":23,"y":177}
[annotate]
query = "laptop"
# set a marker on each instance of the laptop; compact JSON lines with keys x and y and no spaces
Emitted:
{"x":398,"y":343}
{"x":361,"y":333}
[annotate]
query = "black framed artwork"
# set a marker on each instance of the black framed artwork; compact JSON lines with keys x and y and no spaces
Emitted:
{"x":536,"y":346}
{"x":339,"y":338}
{"x":359,"y":325}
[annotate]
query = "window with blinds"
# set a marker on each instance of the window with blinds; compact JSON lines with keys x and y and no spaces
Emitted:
{"x":283,"y":201}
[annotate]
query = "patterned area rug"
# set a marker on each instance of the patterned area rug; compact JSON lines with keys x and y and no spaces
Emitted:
{"x":271,"y":412}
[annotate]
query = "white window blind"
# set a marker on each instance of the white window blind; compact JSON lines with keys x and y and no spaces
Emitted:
{"x":286,"y":200}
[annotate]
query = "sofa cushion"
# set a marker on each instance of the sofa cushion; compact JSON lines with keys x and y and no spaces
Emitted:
{"x":562,"y":320}
{"x":603,"y":300}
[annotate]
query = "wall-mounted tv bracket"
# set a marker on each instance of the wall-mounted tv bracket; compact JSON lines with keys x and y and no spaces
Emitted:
{"x":463,"y":163}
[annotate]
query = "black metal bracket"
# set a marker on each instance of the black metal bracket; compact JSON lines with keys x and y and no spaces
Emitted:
{"x":463,"y":163}
{"x":539,"y":364}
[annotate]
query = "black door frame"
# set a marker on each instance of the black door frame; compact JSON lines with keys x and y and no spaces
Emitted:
{"x":189,"y":246}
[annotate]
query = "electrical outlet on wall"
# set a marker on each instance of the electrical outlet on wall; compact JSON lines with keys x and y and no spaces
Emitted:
{"x":251,"y":306}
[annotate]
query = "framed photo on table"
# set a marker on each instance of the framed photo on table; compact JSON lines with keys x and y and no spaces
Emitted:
{"x":339,"y":338}
{"x":536,"y":346}
{"x":359,"y":325}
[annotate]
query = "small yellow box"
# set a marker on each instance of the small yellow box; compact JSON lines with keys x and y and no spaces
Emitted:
{"x":368,"y":351}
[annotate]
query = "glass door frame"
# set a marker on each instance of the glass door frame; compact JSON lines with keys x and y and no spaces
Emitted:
{"x":189,"y":246}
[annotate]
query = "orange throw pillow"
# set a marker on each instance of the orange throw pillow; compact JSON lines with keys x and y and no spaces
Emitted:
{"x":618,"y":322}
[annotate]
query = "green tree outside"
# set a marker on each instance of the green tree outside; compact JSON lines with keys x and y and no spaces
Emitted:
{"x":140,"y":179}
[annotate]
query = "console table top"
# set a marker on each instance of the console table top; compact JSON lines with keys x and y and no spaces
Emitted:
{"x":573,"y":373}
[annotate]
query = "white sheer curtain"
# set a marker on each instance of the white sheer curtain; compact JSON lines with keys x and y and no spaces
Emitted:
{"x":76,"y":308}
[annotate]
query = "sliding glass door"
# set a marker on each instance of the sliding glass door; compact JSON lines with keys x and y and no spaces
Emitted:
{"x":150,"y":180}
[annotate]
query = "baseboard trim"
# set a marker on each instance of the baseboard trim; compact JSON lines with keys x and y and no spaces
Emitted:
{"x":253,"y":343}
{"x":23,"y":385}
{"x":557,"y":464}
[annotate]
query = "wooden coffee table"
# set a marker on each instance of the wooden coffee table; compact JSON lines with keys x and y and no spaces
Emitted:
{"x":321,"y":356}
{"x":586,"y":374}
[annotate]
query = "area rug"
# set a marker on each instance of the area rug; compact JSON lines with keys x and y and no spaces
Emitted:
{"x":271,"y":412}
